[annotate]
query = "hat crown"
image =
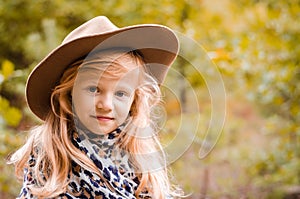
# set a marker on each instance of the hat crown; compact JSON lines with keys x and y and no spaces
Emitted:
{"x":95,"y":26}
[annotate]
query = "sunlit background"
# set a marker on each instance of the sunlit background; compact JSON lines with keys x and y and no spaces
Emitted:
{"x":255,"y":47}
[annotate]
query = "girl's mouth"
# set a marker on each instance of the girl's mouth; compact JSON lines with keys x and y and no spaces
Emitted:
{"x":104,"y":118}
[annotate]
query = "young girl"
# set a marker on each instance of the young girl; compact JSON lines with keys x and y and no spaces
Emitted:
{"x":95,"y":94}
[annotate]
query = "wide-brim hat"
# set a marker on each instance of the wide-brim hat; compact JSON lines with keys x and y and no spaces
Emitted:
{"x":158,"y":45}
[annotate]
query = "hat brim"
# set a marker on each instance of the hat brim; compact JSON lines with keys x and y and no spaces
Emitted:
{"x":158,"y":45}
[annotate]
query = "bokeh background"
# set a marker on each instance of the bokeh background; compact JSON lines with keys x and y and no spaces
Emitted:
{"x":255,"y":47}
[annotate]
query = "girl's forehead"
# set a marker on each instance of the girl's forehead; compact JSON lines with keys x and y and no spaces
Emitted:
{"x":94,"y":76}
{"x":110,"y":60}
{"x":107,"y":70}
{"x":111,"y":64}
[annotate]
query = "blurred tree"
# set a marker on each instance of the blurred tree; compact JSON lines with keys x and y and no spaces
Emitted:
{"x":262,"y":38}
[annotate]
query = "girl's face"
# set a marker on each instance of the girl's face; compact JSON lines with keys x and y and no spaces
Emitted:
{"x":103,"y":102}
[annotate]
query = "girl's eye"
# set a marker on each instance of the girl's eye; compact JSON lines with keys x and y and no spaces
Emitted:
{"x":93,"y":89}
{"x":120,"y":94}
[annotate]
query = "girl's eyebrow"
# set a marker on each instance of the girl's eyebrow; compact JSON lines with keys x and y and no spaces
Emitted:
{"x":126,"y":88}
{"x":129,"y":86}
{"x":85,"y":78}
{"x":93,"y":72}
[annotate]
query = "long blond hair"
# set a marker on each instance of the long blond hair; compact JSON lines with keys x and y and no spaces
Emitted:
{"x":55,"y":151}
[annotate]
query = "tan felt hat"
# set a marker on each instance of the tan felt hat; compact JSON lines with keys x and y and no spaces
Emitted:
{"x":158,"y":45}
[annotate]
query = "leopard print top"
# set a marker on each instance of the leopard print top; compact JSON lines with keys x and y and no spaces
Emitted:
{"x":119,"y":180}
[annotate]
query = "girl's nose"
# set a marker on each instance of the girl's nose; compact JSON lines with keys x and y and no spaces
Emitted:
{"x":104,"y":102}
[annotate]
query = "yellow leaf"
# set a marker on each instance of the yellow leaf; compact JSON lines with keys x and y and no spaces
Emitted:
{"x":4,"y":104}
{"x":7,"y":68}
{"x":10,"y":114}
{"x":13,"y":116}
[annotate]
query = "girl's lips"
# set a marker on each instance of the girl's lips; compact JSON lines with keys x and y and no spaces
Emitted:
{"x":104,"y":118}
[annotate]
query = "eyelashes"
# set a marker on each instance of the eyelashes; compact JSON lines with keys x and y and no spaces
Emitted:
{"x":119,"y":93}
{"x":93,"y":89}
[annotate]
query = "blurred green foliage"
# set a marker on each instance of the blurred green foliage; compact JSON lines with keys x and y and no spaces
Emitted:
{"x":254,"y":43}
